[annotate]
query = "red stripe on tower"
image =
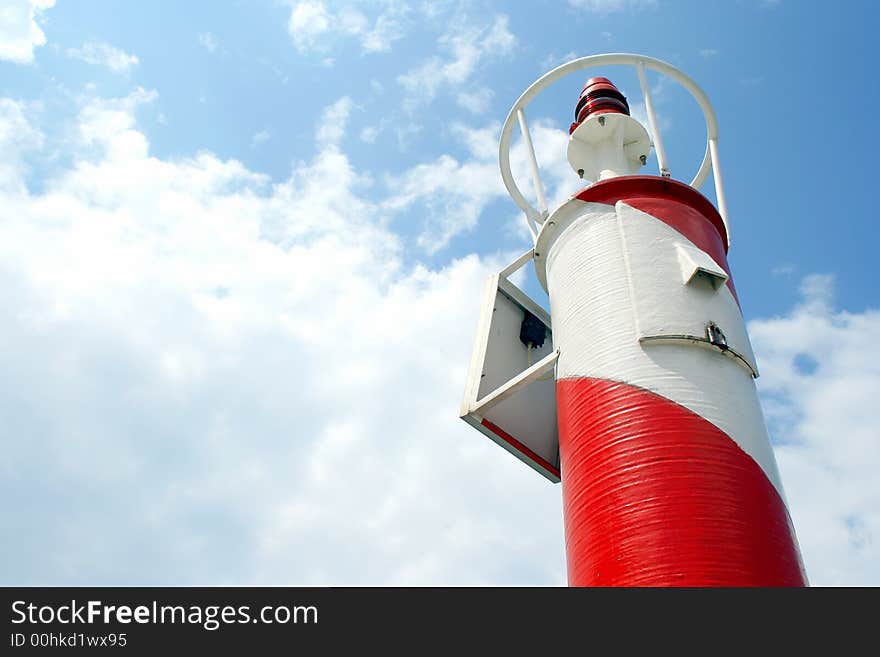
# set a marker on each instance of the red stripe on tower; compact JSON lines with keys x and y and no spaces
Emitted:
{"x":654,"y":495}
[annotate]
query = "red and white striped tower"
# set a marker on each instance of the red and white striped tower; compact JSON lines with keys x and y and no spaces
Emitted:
{"x":667,"y":472}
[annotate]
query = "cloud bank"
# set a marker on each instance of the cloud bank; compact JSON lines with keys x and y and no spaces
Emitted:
{"x":20,"y":32}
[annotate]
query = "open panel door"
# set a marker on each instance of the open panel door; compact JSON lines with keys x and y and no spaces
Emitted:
{"x":510,"y":394}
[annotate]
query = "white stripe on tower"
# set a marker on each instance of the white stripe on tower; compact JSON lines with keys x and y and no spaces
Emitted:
{"x":614,"y":275}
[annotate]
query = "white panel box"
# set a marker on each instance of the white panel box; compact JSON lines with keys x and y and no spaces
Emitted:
{"x":510,"y":395}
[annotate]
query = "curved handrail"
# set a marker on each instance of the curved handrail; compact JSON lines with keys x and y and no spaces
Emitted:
{"x":535,"y":216}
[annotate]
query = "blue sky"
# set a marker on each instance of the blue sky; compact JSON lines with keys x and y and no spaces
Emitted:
{"x":242,"y":253}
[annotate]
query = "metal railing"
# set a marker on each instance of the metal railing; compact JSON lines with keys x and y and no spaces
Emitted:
{"x":536,"y":216}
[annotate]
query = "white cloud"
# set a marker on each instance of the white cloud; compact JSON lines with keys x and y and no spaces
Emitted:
{"x":103,"y":54}
{"x":214,"y":378}
{"x":387,"y":29}
{"x":708,"y":53}
{"x":476,"y":100}
{"x":783,"y":270}
{"x":334,"y":120}
{"x":20,"y":32}
{"x":499,"y":39}
{"x":18,"y":138}
{"x":820,"y":374}
{"x":260,"y":138}
{"x":453,"y":193}
{"x":406,"y":131}
{"x":611,"y":6}
{"x":316,"y":28}
{"x":307,"y":23}
{"x":107,"y":126}
{"x":466,"y":46}
{"x":553,"y":60}
{"x":208,"y":41}
{"x":370,"y":133}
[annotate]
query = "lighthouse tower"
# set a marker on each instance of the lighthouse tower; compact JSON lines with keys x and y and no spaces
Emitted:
{"x":637,"y":391}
